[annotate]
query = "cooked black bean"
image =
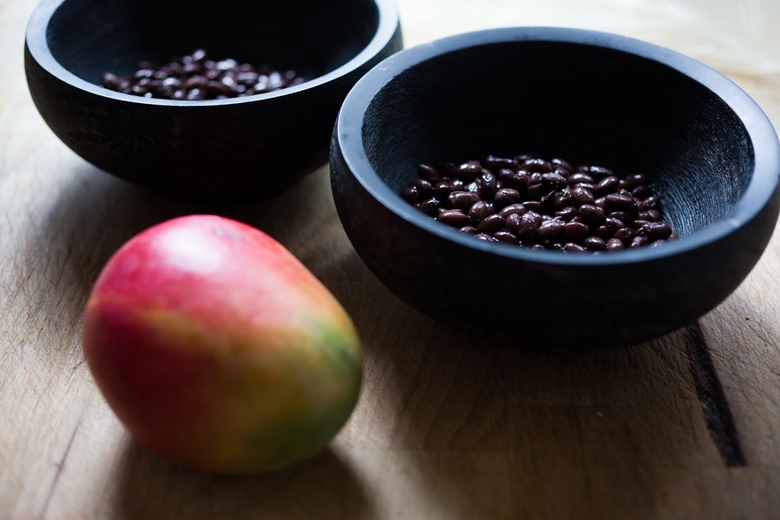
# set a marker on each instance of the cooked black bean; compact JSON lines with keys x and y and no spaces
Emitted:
{"x":573,"y":248}
{"x":581,"y":195}
{"x":592,"y":214}
{"x":607,"y":185}
{"x":470,"y":170}
{"x":505,"y":237}
{"x":534,"y":205}
{"x":430,"y":206}
{"x":550,"y":230}
{"x":576,"y":231}
{"x":441,"y":190}
{"x":462,"y":199}
{"x":478,"y":212}
{"x":428,"y":172}
{"x":655,"y":231}
{"x":411,"y":195}
{"x":513,"y":208}
{"x":453,"y":217}
{"x":539,"y":204}
{"x":595,"y":244}
{"x":491,"y":224}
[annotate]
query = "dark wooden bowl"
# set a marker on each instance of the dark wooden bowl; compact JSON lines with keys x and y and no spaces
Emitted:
{"x":215,"y":150}
{"x":709,"y":151}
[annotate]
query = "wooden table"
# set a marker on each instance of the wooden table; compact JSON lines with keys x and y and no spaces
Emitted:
{"x":687,"y":426}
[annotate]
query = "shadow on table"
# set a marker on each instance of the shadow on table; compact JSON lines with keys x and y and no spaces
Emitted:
{"x":92,"y":214}
{"x":486,"y":430}
{"x":149,"y":487}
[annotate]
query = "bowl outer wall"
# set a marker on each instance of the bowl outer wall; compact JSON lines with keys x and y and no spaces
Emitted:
{"x":549,"y":300}
{"x":217,"y":150}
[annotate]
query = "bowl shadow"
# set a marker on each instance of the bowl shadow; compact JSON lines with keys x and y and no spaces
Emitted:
{"x":486,"y":428}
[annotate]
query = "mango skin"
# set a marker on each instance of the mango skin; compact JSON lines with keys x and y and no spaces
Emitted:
{"x":218,"y":349}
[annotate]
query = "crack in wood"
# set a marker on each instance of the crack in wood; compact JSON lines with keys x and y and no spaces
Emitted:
{"x":715,"y":407}
{"x":60,"y":467}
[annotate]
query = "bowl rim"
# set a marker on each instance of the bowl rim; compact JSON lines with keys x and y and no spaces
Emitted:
{"x":764,"y":139}
{"x":36,"y":42}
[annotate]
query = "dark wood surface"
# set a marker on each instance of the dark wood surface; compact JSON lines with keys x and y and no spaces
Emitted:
{"x":686,"y":426}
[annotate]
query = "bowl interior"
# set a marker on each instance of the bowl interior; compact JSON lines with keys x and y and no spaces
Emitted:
{"x":588,"y":104}
{"x":90,"y":37}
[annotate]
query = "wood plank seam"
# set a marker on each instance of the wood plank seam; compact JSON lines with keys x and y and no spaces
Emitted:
{"x":715,"y":406}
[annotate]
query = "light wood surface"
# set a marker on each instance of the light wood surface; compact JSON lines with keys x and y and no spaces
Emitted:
{"x":447,"y":427}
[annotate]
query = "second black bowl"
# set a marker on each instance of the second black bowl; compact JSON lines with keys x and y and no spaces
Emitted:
{"x":708,"y":150}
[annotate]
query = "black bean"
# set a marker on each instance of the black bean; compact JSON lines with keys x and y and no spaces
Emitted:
{"x":575,"y":231}
{"x":424,"y":188}
{"x":505,"y":237}
{"x":478,"y":212}
{"x":579,"y":178}
{"x":506,"y":196}
{"x":494,"y":163}
{"x":430,"y":206}
{"x":462,"y":199}
{"x":573,"y":248}
{"x":655,"y":231}
{"x":568,"y":213}
{"x":534,"y":205}
{"x":595,"y":243}
{"x":536,"y":165}
{"x":625,"y":235}
{"x":560,"y":163}
{"x":581,"y":195}
{"x":410,"y":194}
{"x":469,"y":170}
{"x":592,"y":214}
{"x":634,"y":180}
{"x":491,"y":224}
{"x":428,"y":172}
{"x":641,"y":192}
{"x":651,"y":202}
{"x":513,"y":222}
{"x":553,"y":181}
{"x":489,"y":185}
{"x":602,"y":232}
{"x":513,"y":208}
{"x":607,"y":185}
{"x":551,"y":229}
{"x":614,"y":224}
{"x":442,"y":190}
{"x":528,"y":225}
{"x":453,"y":217}
{"x":620,"y":202}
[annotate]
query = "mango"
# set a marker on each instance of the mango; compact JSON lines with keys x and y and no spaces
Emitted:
{"x":217,"y":349}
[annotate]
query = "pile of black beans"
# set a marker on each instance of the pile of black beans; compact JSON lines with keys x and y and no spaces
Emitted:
{"x":196,"y":77}
{"x":541,"y":204}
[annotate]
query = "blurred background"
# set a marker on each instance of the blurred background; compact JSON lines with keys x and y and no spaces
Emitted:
{"x":732,"y":36}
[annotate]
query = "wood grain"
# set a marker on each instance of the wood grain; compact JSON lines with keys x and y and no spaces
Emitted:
{"x":448,"y":426}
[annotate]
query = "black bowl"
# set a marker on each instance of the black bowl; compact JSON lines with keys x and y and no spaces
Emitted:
{"x":708,"y":150}
{"x":226,"y":149}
